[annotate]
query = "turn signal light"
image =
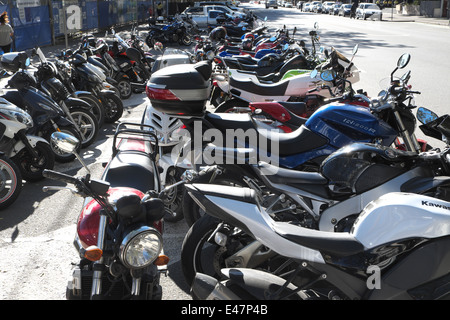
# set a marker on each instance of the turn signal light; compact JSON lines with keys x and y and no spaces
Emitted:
{"x":93,"y":253}
{"x":162,"y":260}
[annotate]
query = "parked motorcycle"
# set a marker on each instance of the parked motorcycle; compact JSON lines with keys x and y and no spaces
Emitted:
{"x":242,"y":89}
{"x":10,"y":181}
{"x":31,"y":154}
{"x":385,"y":255}
{"x":119,"y":229}
{"x":76,"y":110}
{"x":47,"y":115}
{"x":173,"y":32}
{"x":86,"y":77}
{"x":166,"y":128}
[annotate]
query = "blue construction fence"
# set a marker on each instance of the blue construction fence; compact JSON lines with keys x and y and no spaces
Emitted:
{"x":41,"y":22}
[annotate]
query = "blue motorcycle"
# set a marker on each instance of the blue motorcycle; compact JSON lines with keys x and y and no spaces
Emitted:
{"x":175,"y":32}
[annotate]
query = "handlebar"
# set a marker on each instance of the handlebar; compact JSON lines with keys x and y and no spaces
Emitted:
{"x":54,"y":175}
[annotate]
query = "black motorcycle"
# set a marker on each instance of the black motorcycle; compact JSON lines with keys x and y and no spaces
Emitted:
{"x":47,"y":115}
{"x":78,"y":111}
{"x":87,"y":77}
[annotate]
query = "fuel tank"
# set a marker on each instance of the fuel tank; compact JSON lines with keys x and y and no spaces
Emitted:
{"x":343,"y":123}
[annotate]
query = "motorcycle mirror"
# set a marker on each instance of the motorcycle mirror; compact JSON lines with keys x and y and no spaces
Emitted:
{"x":313,"y":73}
{"x":401,"y":63}
{"x":64,"y":141}
{"x":316,"y":26}
{"x":355,"y":49}
{"x":425,"y":115}
{"x":403,"y":60}
{"x":67,"y":143}
{"x":328,"y":75}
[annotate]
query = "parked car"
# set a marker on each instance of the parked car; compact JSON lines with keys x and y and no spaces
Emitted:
{"x":345,"y":10}
{"x":327,"y":6}
{"x":318,"y":7}
{"x":313,"y":5}
{"x":368,"y":10}
{"x":288,"y":4}
{"x":307,"y":7}
{"x":335,"y":9}
{"x":271,"y":3}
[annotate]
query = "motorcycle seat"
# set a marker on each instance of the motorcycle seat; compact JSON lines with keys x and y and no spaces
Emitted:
{"x":339,"y":244}
{"x":131,"y":168}
{"x":292,"y":143}
{"x":234,"y":121}
{"x":272,"y":89}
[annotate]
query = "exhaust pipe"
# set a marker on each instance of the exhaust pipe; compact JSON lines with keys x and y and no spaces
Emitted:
{"x":205,"y":287}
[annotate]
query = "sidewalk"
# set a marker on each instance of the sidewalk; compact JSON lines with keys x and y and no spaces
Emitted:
{"x":392,"y":15}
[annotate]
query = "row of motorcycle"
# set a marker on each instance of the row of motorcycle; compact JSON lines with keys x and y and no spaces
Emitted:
{"x":335,"y":199}
{"x":76,"y":92}
{"x":347,"y":203}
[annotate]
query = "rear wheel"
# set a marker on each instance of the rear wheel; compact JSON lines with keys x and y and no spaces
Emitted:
{"x":124,"y":87}
{"x":97,"y":108}
{"x":185,"y":40}
{"x":10,"y":182}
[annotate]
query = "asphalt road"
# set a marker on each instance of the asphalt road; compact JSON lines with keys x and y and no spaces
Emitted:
{"x":36,"y":233}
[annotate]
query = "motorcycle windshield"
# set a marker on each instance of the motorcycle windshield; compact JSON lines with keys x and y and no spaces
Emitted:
{"x":97,"y":71}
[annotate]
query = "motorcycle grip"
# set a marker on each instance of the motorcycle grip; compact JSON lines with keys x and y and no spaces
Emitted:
{"x":59,"y":176}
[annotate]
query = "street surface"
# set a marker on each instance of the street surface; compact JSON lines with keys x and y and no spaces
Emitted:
{"x":36,"y":233}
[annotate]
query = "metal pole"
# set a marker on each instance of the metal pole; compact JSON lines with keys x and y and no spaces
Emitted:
{"x":65,"y":23}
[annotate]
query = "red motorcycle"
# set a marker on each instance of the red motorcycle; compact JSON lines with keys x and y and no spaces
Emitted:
{"x":119,"y":230}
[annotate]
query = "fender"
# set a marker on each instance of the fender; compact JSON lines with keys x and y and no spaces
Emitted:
{"x":75,"y":102}
{"x":253,"y":284}
{"x":19,"y":145}
{"x":77,"y":94}
{"x":106,"y":92}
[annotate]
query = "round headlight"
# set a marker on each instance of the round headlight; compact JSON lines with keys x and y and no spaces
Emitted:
{"x":140,"y":247}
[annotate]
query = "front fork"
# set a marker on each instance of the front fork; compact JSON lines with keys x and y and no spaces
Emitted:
{"x":98,"y":265}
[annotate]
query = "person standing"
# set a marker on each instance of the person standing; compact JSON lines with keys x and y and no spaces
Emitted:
{"x":159,"y":9}
{"x":6,"y":33}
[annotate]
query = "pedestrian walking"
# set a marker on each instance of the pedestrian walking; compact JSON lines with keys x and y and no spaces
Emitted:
{"x":6,"y":33}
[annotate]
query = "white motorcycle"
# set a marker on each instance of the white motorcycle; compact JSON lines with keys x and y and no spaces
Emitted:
{"x":32,"y":154}
{"x":398,"y":248}
{"x":241,"y":88}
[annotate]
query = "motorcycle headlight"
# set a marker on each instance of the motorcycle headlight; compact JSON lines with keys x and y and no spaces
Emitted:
{"x":21,"y":117}
{"x":140,"y":247}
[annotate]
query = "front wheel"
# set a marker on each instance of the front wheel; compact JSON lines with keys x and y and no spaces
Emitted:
{"x":10,"y":182}
{"x":87,"y":123}
{"x":113,"y":107}
{"x":30,"y":168}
